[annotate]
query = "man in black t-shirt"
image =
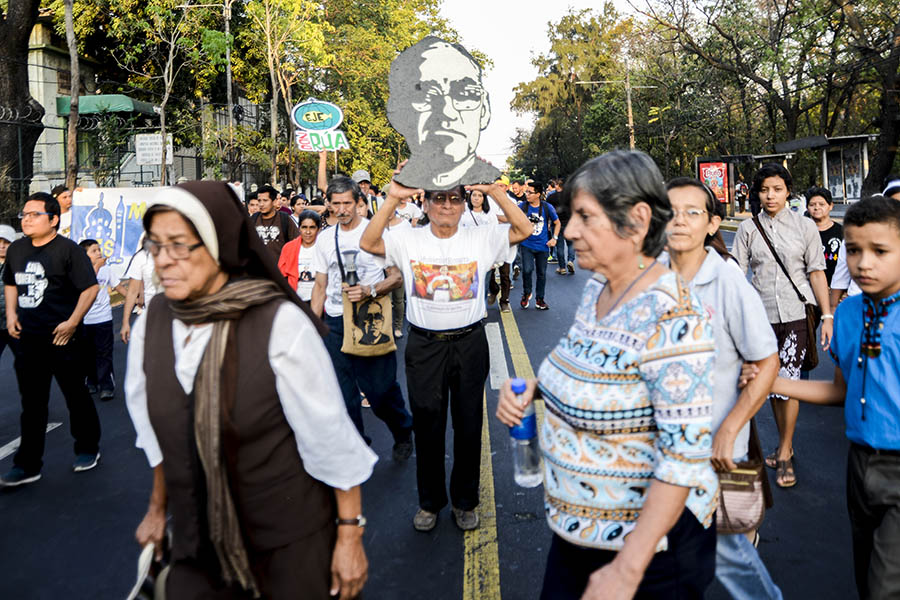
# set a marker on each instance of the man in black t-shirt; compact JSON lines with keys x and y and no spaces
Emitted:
{"x":274,"y":227}
{"x":49,"y":285}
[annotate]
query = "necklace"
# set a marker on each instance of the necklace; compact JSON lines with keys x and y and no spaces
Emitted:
{"x":628,"y":289}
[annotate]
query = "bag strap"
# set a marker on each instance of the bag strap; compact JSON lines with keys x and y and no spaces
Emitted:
{"x":755,"y":454}
{"x":337,"y":250}
{"x":778,"y":258}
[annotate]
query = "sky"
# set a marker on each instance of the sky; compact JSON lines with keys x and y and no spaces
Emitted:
{"x":510,"y":33}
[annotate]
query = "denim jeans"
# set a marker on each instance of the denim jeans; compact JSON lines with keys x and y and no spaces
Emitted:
{"x":374,"y":376}
{"x":565,"y":249}
{"x":740,"y":569}
{"x":533,"y":260}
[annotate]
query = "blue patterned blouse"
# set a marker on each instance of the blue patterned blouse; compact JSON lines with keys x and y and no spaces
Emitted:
{"x":628,"y":398}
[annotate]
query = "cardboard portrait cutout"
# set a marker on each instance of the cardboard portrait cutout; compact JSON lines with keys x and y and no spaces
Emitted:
{"x":438,"y":103}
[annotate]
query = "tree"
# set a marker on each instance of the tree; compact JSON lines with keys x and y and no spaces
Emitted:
{"x":157,"y":43}
{"x":19,"y":134}
{"x":875,"y":32}
{"x":72,"y":137}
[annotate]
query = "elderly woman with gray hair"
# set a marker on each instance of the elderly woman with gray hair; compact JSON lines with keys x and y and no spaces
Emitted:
{"x":629,"y":489}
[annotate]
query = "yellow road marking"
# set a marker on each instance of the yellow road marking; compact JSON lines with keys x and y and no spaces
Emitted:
{"x":520,"y":360}
{"x":481,"y":573}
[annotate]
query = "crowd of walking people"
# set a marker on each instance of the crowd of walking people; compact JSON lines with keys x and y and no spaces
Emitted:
{"x":649,"y":396}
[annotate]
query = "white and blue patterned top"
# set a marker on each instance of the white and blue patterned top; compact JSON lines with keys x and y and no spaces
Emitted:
{"x":628,"y":399}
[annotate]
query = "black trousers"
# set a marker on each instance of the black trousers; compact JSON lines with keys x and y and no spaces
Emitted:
{"x":680,"y":573}
{"x":442,"y":373}
{"x":8,"y":340}
{"x":98,"y":352}
{"x":873,"y":501}
{"x":374,"y":376}
{"x":37,"y":363}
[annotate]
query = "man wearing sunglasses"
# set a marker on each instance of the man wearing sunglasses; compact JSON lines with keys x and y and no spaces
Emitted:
{"x":49,"y":285}
{"x":440,"y":106}
{"x":447,"y":362}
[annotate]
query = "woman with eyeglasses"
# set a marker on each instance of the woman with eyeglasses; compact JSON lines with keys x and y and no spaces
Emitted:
{"x":630,"y":494}
{"x":697,"y":254}
{"x":444,"y":267}
{"x":260,"y":470}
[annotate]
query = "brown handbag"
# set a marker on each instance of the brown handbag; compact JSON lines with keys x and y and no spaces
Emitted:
{"x":744,"y":492}
{"x":813,"y":313}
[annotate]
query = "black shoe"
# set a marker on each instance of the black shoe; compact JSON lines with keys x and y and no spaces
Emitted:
{"x":402,"y":450}
{"x":17,"y":476}
{"x":515,"y":272}
{"x":540,"y":304}
{"x":85,"y":462}
{"x":526,"y":298}
{"x":92,"y":389}
{"x":107,"y":395}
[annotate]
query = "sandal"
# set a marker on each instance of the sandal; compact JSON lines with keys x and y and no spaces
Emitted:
{"x":784,"y":474}
{"x":773,"y":458}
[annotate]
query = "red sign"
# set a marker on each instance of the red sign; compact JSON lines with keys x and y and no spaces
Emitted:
{"x":715,"y":176}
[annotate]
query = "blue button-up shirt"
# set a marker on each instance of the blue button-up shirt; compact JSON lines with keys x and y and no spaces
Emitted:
{"x":876,"y":422}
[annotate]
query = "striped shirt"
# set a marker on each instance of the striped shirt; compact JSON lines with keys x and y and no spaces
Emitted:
{"x":628,"y":399}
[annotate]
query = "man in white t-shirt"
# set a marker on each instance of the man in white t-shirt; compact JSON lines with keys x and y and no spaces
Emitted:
{"x":374,"y":376}
{"x":444,"y":267}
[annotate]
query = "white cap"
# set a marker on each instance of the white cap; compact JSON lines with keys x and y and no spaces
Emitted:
{"x":361,"y":175}
{"x":8,"y":233}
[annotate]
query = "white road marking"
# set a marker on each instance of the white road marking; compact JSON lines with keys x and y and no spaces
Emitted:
{"x":14,"y":445}
{"x":499,"y":371}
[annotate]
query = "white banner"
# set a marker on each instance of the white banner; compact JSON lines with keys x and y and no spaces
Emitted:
{"x":113,"y":217}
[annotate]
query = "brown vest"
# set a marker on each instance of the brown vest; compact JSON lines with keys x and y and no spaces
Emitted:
{"x":277,"y":501}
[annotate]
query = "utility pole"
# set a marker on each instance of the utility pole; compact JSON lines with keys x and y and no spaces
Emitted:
{"x":628,"y":88}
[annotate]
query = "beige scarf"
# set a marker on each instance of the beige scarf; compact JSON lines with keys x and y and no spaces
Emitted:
{"x":214,"y":393}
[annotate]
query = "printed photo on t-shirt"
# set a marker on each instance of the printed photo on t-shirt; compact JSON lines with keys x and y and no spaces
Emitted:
{"x":445,"y":283}
{"x":537,"y":222}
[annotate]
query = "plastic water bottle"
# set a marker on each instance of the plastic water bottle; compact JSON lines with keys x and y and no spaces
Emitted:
{"x":526,"y":454}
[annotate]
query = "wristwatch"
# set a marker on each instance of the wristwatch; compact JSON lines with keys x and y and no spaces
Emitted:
{"x":359,"y":521}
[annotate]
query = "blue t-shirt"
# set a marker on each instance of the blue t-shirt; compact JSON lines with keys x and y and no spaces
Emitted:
{"x":875,"y":379}
{"x":540,"y":216}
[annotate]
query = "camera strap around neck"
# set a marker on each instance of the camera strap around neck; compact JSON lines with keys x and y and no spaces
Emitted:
{"x":337,"y":250}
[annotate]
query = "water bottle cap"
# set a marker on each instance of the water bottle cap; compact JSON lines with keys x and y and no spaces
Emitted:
{"x":519,"y":386}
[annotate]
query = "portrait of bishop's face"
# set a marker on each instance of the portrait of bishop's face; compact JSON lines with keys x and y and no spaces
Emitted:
{"x":440,"y":106}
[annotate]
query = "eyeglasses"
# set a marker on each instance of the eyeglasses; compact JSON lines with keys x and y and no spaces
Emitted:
{"x":175,"y":250}
{"x":444,"y":198}
{"x":464,"y":94}
{"x":691,"y":214}
{"x":33,"y":214}
{"x":531,"y":192}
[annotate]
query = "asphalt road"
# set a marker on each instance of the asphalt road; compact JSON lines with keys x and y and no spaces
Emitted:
{"x":71,"y":535}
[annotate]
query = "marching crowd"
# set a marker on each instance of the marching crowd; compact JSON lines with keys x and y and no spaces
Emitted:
{"x":654,"y":478}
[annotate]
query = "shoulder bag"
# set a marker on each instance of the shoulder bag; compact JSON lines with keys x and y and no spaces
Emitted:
{"x":367,"y":323}
{"x":813,"y":312}
{"x":744,"y":492}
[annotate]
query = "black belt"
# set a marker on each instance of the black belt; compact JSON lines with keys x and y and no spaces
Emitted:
{"x":447,"y":334}
{"x":875,"y":451}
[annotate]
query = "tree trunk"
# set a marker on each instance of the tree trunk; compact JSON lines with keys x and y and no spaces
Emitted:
{"x":886,"y":147}
{"x":18,"y":135}
{"x":74,"y":92}
{"x":163,"y":170}
{"x":273,"y":126}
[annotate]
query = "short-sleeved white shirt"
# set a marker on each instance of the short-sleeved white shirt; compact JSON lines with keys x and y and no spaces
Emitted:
{"x":142,"y":268}
{"x":100,"y":311}
{"x":471,"y":218}
{"x":410,"y":211}
{"x":369,"y":269}
{"x":741,"y":331}
{"x":306,"y":274}
{"x":444,"y":277}
{"x":841,"y":279}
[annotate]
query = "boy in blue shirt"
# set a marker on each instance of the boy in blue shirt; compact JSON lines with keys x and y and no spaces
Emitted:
{"x":866,"y":352}
{"x":535,"y":250}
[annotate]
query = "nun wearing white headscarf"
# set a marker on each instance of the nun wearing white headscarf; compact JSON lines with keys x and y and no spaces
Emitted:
{"x":259,"y":468}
